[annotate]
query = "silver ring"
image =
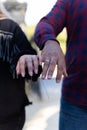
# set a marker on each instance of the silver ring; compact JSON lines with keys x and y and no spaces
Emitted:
{"x":47,"y":61}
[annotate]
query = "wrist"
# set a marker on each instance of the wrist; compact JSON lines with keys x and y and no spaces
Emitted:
{"x":52,"y":42}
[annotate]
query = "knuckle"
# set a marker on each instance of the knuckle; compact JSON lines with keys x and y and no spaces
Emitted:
{"x":21,"y":62}
{"x":35,"y":64}
{"x":53,"y":62}
{"x":34,"y":57}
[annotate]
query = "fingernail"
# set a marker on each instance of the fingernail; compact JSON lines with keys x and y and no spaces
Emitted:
{"x":36,"y":71}
{"x":43,"y":77}
{"x":17,"y":71}
{"x":57,"y":81}
{"x":40,"y":63}
{"x":31,"y":74}
{"x":49,"y":76}
{"x":22,"y":74}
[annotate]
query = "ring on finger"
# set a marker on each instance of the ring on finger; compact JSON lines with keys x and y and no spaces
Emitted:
{"x":47,"y":61}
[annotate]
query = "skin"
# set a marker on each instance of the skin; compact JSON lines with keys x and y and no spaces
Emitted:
{"x":29,"y":61}
{"x":51,"y":58}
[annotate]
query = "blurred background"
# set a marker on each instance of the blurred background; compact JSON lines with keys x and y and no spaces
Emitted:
{"x":45,"y":94}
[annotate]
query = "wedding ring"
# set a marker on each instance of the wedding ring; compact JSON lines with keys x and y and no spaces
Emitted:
{"x":47,"y":61}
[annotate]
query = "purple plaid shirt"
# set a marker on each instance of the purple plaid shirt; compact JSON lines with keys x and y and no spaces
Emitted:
{"x":71,"y":14}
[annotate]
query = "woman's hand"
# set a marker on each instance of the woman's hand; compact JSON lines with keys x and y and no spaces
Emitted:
{"x":29,"y":61}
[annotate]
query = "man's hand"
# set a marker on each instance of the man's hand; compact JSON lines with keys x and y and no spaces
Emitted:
{"x":29,"y":61}
{"x":52,"y":55}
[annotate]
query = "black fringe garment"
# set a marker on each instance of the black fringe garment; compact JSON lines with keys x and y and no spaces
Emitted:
{"x":13,"y":44}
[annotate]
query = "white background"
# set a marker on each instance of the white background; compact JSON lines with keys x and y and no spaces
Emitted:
{"x":36,"y":9}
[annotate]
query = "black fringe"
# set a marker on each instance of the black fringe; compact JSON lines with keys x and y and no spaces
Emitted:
{"x":10,"y":52}
{"x":5,"y":45}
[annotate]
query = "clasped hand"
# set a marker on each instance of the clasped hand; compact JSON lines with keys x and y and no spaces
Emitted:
{"x":51,"y":56}
{"x":31,"y":62}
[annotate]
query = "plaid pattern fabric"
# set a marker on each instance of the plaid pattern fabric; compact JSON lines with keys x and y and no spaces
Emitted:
{"x":71,"y":14}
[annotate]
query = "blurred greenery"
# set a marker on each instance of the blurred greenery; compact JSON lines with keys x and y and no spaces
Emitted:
{"x":61,"y":38}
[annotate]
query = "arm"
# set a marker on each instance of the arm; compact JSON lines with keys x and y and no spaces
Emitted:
{"x":52,"y":24}
{"x":15,"y":49}
{"x":45,"y":37}
{"x":24,"y":56}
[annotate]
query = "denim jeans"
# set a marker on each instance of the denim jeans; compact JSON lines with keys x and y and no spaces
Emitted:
{"x":72,"y":117}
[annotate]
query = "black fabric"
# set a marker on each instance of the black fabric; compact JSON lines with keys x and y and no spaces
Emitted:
{"x":34,"y":77}
{"x":15,"y":123}
{"x":12,"y":94}
{"x":13,"y":44}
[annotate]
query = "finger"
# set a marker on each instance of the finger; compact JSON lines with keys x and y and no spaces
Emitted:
{"x":29,"y":65}
{"x":22,"y":66}
{"x":65,"y":72}
{"x":35,"y":63}
{"x":45,"y":68}
{"x":59,"y":73}
{"x":40,"y":59}
{"x":51,"y":68}
{"x":18,"y":69}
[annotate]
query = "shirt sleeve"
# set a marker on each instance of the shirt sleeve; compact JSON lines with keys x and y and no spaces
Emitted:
{"x":22,"y":43}
{"x":13,"y":41}
{"x":21,"y":46}
{"x":13,"y":44}
{"x":52,"y":24}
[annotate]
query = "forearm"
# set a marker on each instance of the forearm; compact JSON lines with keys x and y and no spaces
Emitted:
{"x":51,"y":25}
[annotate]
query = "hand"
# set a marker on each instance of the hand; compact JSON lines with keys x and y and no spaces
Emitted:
{"x":52,"y":55}
{"x":29,"y":61}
